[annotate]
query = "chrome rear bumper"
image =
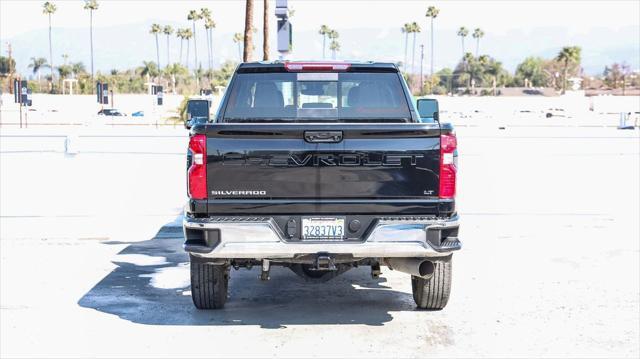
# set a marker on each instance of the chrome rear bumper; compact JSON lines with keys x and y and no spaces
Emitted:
{"x":260,"y":238}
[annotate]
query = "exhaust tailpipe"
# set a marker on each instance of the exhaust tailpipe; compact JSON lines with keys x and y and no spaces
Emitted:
{"x":418,"y":267}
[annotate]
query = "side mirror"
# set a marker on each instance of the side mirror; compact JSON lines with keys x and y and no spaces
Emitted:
{"x":428,"y":108}
{"x":187,"y":122}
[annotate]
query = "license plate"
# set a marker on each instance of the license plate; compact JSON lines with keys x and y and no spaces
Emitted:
{"x":322,"y":228}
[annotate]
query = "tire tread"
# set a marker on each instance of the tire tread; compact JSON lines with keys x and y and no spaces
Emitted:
{"x":433,"y":293}
{"x":209,"y":285}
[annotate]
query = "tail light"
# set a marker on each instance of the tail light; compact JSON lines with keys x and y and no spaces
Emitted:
{"x":448,"y":146}
{"x":198,"y":169}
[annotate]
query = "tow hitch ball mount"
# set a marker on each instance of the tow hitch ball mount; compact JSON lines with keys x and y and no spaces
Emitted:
{"x":324,"y":262}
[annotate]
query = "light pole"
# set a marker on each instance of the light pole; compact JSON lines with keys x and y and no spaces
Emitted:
{"x":285,"y":41}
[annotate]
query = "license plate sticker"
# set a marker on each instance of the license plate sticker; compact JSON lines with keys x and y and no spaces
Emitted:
{"x":322,"y":228}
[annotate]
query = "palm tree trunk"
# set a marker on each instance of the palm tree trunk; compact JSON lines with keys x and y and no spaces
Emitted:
{"x":158,"y":53}
{"x":168,"y":58}
{"x":195,"y":45}
{"x":211,"y":48}
{"x":477,"y":46}
{"x":50,"y":55}
{"x":324,"y":45}
{"x":432,"y":46}
{"x":248,"y":31}
{"x":406,"y":45}
{"x":265,"y":31}
{"x":462,"y":37}
{"x":181,"y":41}
{"x":91,"y":43}
{"x":413,"y":52}
{"x":187,"y":58}
{"x":208,"y":49}
{"x":211,"y":44}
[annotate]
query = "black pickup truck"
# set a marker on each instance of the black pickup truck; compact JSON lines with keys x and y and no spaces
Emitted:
{"x":321,"y":167}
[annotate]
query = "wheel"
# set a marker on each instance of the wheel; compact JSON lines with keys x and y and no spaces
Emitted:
{"x":209,"y":284}
{"x":433,"y":293}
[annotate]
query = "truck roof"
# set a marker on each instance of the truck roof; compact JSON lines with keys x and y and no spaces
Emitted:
{"x":313,"y":66}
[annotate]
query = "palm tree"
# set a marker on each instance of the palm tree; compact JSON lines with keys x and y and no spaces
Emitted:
{"x":49,"y":9}
{"x":64,"y":71}
{"x":199,"y":72}
{"x":468,"y":59}
{"x":483,"y":59}
{"x":149,"y":68}
{"x":175,"y":71}
{"x":187,"y":36}
{"x":415,"y":29}
{"x":37,"y":64}
{"x":324,"y":31}
{"x":205,"y":14}
{"x":238,"y":38}
{"x":569,"y":56}
{"x":463,"y":32}
{"x":477,"y":34}
{"x":193,"y":17}
{"x":334,"y":46}
{"x":167,"y":30}
{"x":180,"y":35}
{"x":406,"y":29}
{"x":155,"y":30}
{"x":77,"y":69}
{"x":265,"y":31}
{"x":91,"y":5}
{"x":248,"y":31}
{"x":432,"y":12}
{"x":210,"y":25}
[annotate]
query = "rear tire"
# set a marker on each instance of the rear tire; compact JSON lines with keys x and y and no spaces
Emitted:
{"x":209,"y":285}
{"x":433,"y":293}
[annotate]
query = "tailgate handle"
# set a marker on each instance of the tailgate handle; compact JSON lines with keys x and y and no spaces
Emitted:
{"x":323,"y":136}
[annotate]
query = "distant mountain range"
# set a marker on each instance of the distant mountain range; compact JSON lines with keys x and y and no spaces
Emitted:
{"x":126,"y":46}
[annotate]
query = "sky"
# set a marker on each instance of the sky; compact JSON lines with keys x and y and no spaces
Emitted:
{"x":514,"y":29}
{"x":498,"y":17}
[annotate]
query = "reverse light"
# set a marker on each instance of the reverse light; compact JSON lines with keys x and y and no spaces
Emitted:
{"x":448,"y":146}
{"x":316,"y":66}
{"x":198,"y":170}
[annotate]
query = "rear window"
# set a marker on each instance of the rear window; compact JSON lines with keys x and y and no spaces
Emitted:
{"x":310,"y":97}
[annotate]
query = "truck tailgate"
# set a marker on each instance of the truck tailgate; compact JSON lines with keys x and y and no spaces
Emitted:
{"x":322,"y":161}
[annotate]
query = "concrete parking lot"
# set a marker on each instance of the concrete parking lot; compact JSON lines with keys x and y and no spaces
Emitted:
{"x":91,"y":260}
